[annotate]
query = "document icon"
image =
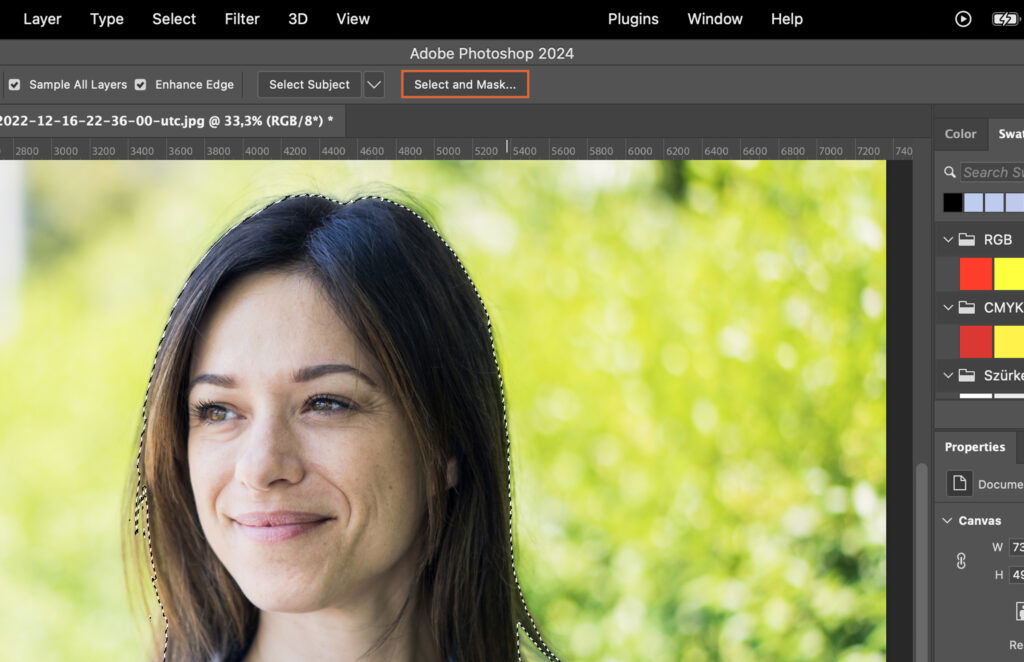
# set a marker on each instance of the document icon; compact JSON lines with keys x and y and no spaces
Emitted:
{"x":964,"y":375}
{"x":964,"y":239}
{"x":965,"y":307}
{"x":958,"y":483}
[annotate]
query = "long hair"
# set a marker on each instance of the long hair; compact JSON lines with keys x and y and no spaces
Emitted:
{"x":409,"y":300}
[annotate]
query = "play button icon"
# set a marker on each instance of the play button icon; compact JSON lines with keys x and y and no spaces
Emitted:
{"x":962,"y":19}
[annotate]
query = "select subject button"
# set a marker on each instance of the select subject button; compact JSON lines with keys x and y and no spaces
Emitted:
{"x":310,"y":84}
{"x":465,"y":83}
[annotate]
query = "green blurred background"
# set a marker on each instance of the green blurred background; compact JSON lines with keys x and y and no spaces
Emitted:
{"x":694,"y":355}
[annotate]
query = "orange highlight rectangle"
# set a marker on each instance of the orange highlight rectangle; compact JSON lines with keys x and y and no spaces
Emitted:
{"x":401,"y":84}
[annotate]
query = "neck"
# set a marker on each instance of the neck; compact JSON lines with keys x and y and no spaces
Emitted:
{"x":342,"y":635}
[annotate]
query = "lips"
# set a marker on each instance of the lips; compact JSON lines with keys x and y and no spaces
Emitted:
{"x":278,"y":518}
{"x":278,"y":525}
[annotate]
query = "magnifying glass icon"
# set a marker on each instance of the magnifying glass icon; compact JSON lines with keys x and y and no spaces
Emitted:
{"x":948,"y":171}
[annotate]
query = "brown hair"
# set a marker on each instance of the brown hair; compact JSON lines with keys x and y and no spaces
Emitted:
{"x":410,"y":302}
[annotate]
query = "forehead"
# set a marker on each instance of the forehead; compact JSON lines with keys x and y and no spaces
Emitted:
{"x":273,"y":322}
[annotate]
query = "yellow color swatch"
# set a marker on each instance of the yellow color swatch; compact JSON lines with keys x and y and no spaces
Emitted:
{"x":1009,"y":342}
{"x":1009,"y":273}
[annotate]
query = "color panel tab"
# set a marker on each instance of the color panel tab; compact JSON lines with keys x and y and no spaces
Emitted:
{"x":1009,"y":273}
{"x":1009,"y":342}
{"x":975,"y":342}
{"x":975,"y":273}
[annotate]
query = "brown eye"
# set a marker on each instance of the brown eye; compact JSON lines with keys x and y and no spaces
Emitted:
{"x":208,"y":412}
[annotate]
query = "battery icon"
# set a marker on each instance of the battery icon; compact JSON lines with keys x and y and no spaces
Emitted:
{"x":1005,"y":19}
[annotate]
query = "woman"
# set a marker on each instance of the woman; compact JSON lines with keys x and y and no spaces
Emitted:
{"x":323,"y":469}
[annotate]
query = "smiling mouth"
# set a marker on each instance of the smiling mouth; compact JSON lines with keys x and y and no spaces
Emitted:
{"x":279,"y":525}
{"x":278,"y":518}
{"x":278,"y":533}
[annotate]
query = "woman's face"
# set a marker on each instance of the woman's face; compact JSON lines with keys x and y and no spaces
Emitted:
{"x":305,"y":474}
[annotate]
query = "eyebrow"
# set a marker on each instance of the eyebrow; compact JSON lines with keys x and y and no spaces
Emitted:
{"x":306,"y":374}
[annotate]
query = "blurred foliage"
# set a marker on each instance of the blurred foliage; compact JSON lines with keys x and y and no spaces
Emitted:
{"x":694,"y":355}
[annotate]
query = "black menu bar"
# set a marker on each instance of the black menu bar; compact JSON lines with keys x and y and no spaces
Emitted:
{"x":667,"y":21}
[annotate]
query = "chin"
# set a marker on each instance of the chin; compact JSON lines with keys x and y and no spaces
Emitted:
{"x":281,"y":588}
{"x":283,"y":598}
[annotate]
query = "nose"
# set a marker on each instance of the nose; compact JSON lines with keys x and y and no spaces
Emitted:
{"x":270,"y":454}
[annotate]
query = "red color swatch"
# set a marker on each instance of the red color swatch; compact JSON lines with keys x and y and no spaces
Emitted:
{"x":975,"y":273}
{"x":976,"y":342}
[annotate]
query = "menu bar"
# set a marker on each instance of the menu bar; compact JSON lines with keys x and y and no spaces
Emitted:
{"x":669,"y":21}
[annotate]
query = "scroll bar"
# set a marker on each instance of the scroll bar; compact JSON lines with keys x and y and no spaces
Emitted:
{"x":921,"y":521}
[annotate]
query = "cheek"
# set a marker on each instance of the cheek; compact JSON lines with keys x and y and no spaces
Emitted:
{"x":195,"y":473}
{"x":399,"y":491}
{"x":207,"y":474}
